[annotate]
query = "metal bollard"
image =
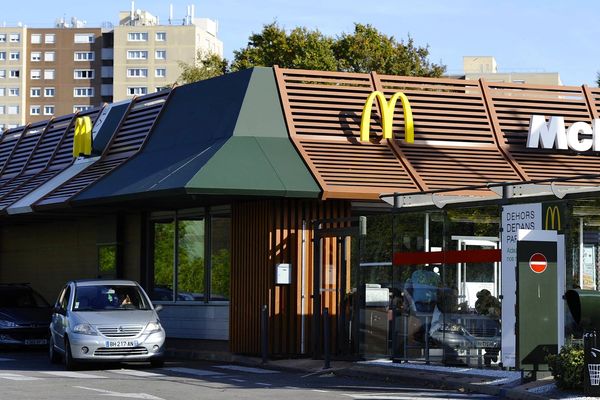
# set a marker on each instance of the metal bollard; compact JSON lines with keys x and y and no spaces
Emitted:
{"x":327,"y":339}
{"x":264,"y":334}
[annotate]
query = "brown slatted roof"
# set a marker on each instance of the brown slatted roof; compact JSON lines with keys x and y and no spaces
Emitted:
{"x":127,"y":140}
{"x":323,"y":112}
{"x":52,"y":155}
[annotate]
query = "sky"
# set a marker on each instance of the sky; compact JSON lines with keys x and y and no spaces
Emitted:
{"x":523,"y":35}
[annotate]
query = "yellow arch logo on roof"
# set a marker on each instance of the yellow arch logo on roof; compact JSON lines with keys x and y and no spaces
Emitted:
{"x":387,"y":116}
{"x":82,"y":139}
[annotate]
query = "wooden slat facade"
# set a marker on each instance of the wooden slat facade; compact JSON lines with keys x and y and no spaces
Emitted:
{"x":267,"y":232}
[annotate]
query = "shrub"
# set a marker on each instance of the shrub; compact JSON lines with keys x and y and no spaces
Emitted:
{"x":567,"y":366}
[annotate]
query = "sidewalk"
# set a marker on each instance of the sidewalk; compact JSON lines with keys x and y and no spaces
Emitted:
{"x":505,"y":384}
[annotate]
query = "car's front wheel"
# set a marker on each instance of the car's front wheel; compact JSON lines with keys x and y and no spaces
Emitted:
{"x":52,"y":353}
{"x":70,"y":363}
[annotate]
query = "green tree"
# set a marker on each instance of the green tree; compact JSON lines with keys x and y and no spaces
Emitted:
{"x":598,"y":78}
{"x":368,"y":50}
{"x":301,"y":48}
{"x":205,"y":66}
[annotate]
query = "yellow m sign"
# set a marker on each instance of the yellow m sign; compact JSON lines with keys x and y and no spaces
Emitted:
{"x":552,"y":218}
{"x":82,"y":139}
{"x":387,"y":116}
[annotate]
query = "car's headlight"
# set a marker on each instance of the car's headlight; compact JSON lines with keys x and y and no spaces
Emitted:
{"x":7,"y":324}
{"x":153,"y":327}
{"x":84,"y":329}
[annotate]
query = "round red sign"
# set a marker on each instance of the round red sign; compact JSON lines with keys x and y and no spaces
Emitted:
{"x":538,"y":263}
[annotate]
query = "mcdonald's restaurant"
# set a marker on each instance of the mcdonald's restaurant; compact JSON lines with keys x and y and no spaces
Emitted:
{"x":420,"y":219}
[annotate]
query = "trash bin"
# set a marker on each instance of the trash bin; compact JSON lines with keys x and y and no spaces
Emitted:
{"x":585,"y":308}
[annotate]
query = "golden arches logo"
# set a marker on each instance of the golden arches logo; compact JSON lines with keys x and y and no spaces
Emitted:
{"x":82,"y":139}
{"x":552,"y":221}
{"x":387,"y":116}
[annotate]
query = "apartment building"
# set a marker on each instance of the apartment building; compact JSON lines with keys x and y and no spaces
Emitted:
{"x":70,"y":68}
{"x":147,"y":54}
{"x":13,"y":57}
{"x":485,"y":67}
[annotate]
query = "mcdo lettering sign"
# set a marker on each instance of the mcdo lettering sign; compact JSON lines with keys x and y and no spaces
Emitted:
{"x":387,"y":116}
{"x":580,"y":136}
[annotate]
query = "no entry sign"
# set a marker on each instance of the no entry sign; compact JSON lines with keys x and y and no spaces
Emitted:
{"x":538,"y":263}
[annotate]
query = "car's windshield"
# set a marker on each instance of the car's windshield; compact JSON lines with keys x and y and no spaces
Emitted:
{"x":109,"y":297}
{"x":14,"y":297}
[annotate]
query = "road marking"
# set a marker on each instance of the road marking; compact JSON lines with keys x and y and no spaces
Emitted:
{"x":193,"y":371}
{"x":17,"y":377}
{"x":70,"y":374}
{"x":135,"y":372}
{"x":247,"y":369}
{"x":145,"y":396}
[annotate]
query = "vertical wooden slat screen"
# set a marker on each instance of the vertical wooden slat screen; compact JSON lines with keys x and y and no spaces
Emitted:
{"x":267,"y":232}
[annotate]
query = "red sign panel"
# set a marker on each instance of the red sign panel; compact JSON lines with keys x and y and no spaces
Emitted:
{"x":538,"y":263}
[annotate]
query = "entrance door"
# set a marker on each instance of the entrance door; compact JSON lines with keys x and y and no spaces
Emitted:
{"x":474,"y":277}
{"x":331,"y":289}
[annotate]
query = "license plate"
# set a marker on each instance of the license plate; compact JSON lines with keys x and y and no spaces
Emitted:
{"x":484,"y":343}
{"x":35,"y":341}
{"x":121,"y":343}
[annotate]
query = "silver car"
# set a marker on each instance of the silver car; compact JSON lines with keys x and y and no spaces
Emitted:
{"x":105,"y":320}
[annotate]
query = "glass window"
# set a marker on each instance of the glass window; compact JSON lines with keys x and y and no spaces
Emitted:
{"x":50,"y":38}
{"x":79,"y":108}
{"x":137,"y":36}
{"x":36,"y":38}
{"x":15,"y":73}
{"x":35,"y":92}
{"x":161,"y":54}
{"x":2,"y":91}
{"x":161,"y":36}
{"x":190,"y":253}
{"x":2,"y":110}
{"x":137,"y":72}
{"x":36,"y":74}
{"x":84,"y":38}
{"x":13,"y":110}
{"x":164,"y":254}
{"x":107,"y":259}
{"x":83,"y":74}
{"x":36,"y":56}
{"x":137,"y":54}
{"x":220,"y":257}
{"x":161,"y":72}
{"x":2,"y":55}
{"x":84,"y":56}
{"x":2,"y":73}
{"x":49,"y":74}
{"x":49,"y":56}
{"x":49,"y":92}
{"x":83,"y":92}
{"x":48,"y":110}
{"x":137,"y":91}
{"x":35,"y":110}
{"x":15,"y":37}
{"x":2,"y":37}
{"x":13,"y":91}
{"x":15,"y":55}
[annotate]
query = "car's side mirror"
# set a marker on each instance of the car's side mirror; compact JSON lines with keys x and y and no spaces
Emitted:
{"x":57,"y":310}
{"x":158,"y":308}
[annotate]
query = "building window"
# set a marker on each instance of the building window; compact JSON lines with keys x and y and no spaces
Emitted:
{"x":36,"y":38}
{"x":161,"y":72}
{"x":14,"y":37}
{"x":13,"y":110}
{"x":84,"y":38}
{"x":36,"y":56}
{"x":137,"y":55}
{"x":36,"y":74}
{"x":159,"y":88}
{"x":13,"y":92}
{"x":161,"y":36}
{"x":137,"y":36}
{"x":137,"y":90}
{"x":83,"y":74}
{"x":49,"y":74}
{"x":84,"y":56}
{"x":49,"y":56}
{"x":2,"y":73}
{"x":2,"y":91}
{"x":49,"y":92}
{"x":81,"y":108}
{"x":137,"y":72}
{"x":2,"y":37}
{"x":15,"y":73}
{"x":50,"y":38}
{"x":48,"y":110}
{"x":194,"y":233}
{"x":15,"y":55}
{"x":160,"y":54}
{"x":35,"y":110}
{"x":35,"y":92}
{"x":2,"y":55}
{"x":2,"y":110}
{"x":83,"y":92}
